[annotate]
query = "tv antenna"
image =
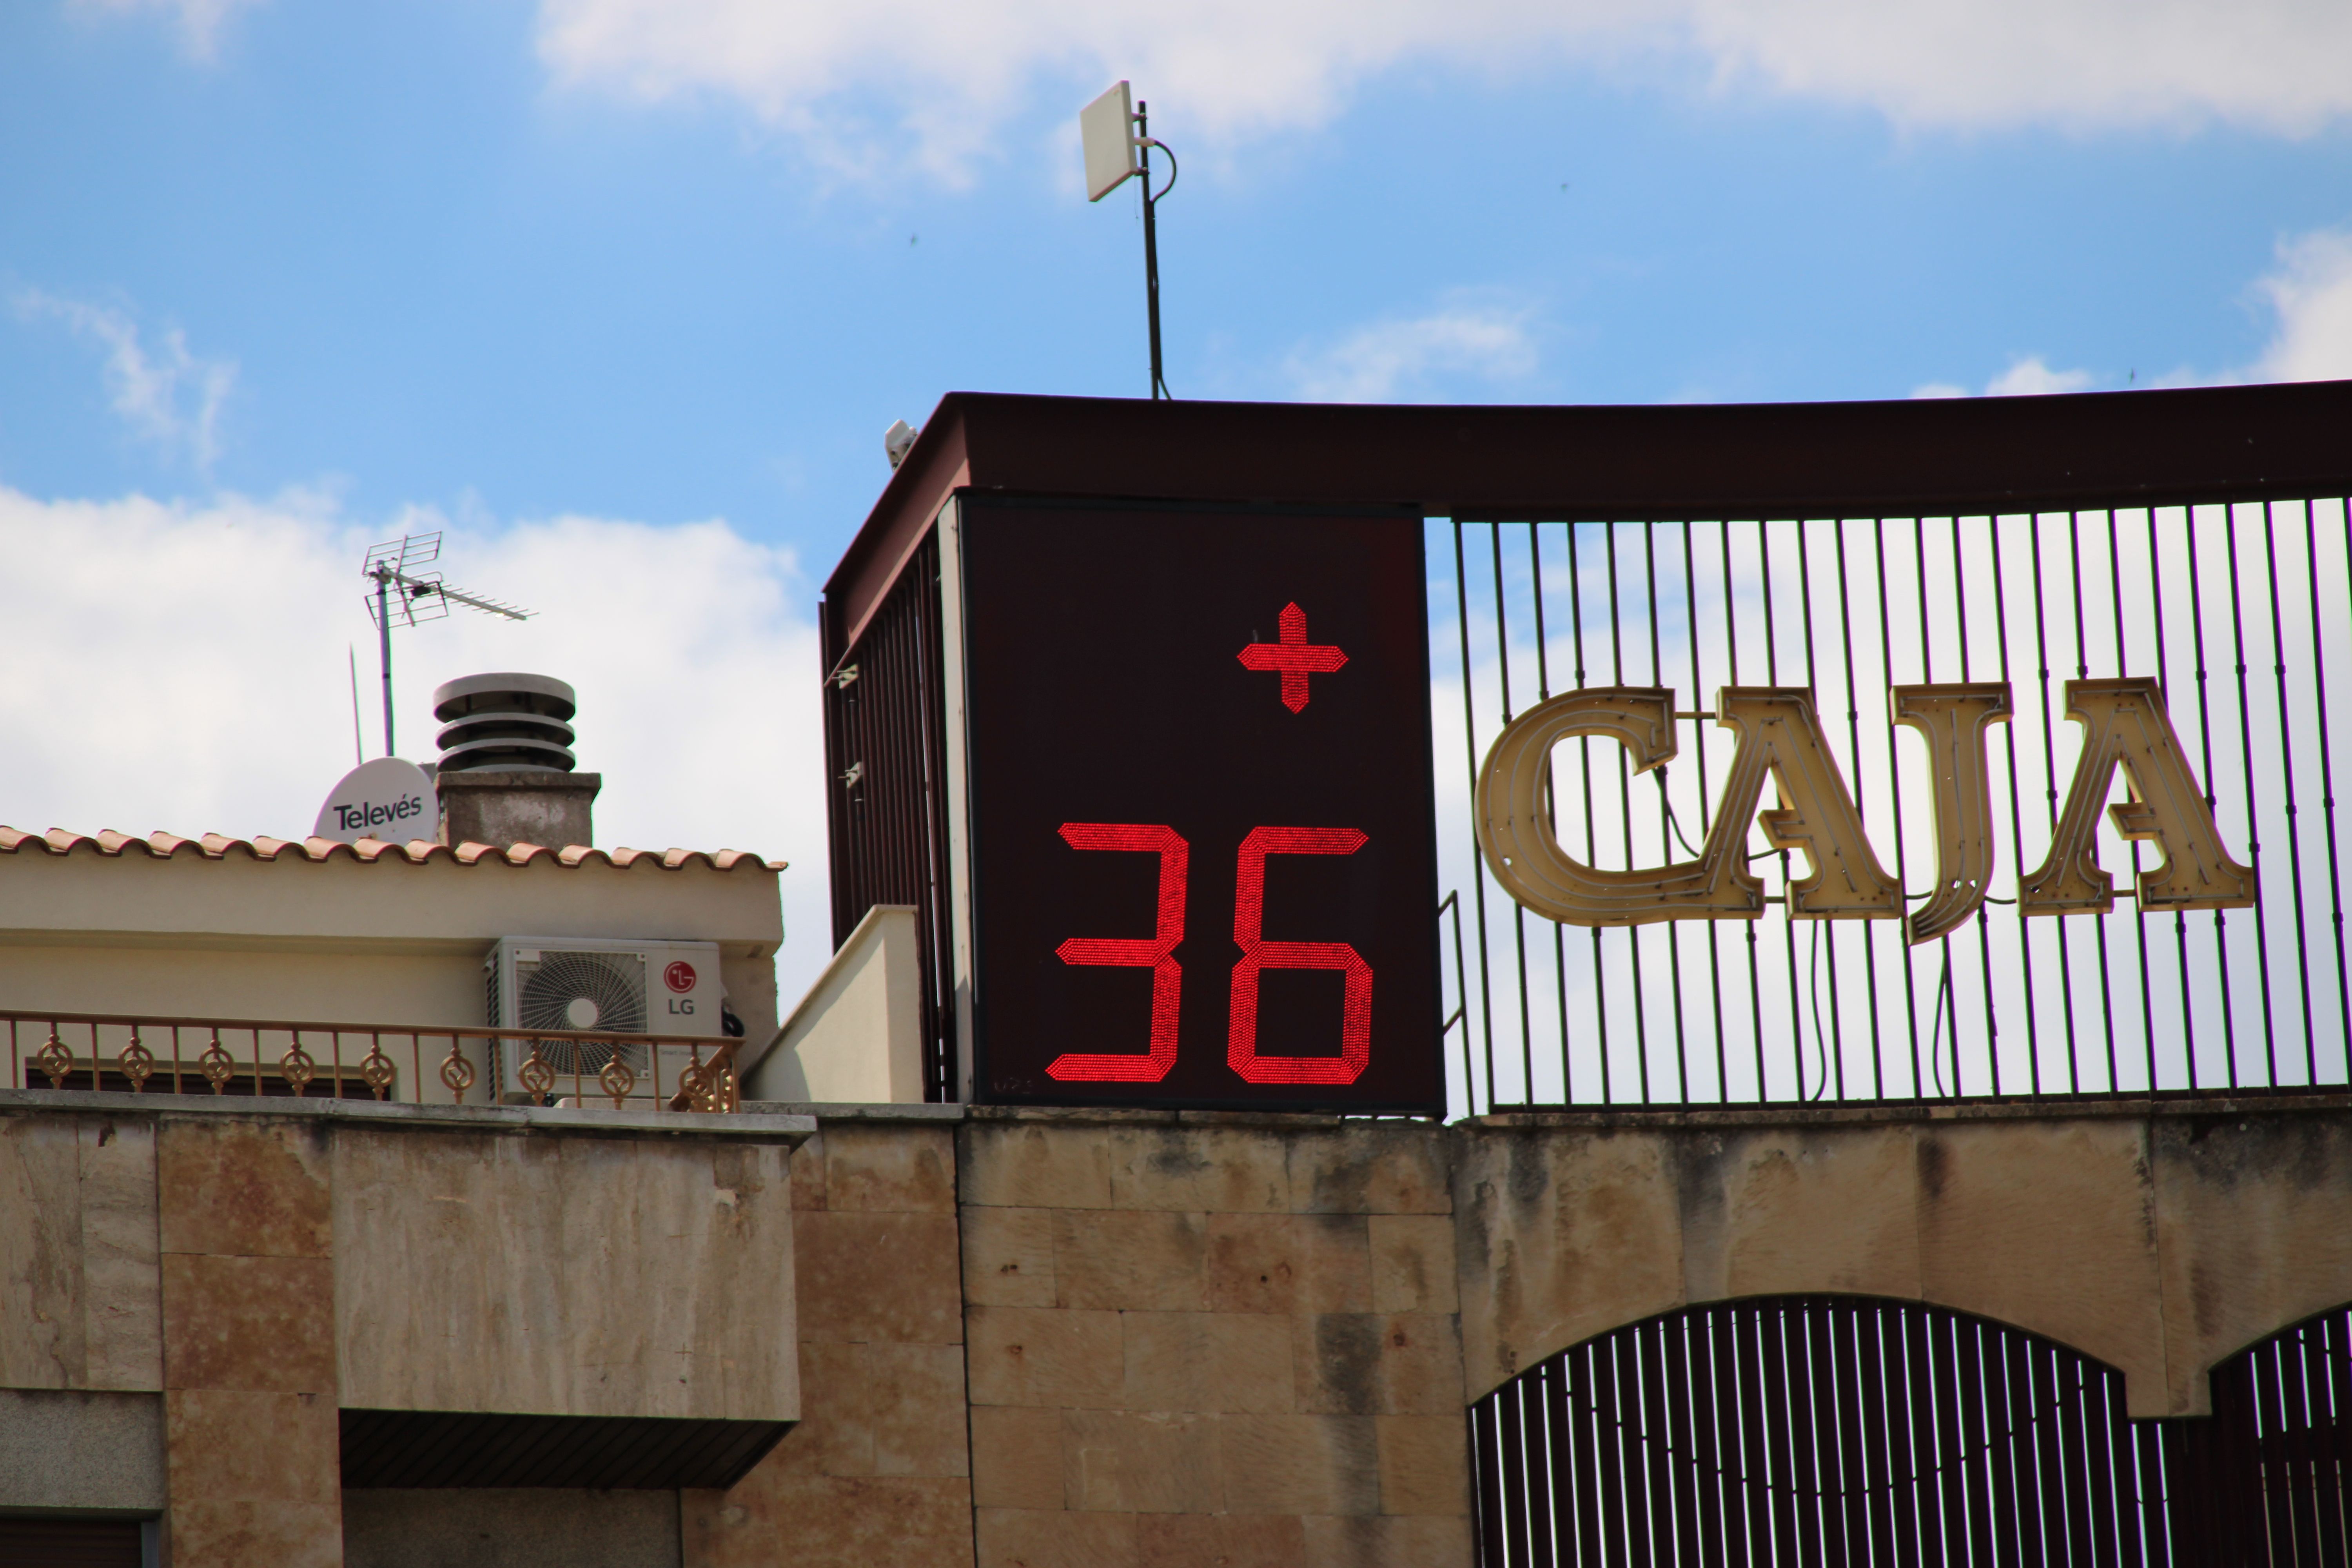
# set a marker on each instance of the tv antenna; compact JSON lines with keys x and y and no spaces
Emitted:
{"x":405,"y":594}
{"x":1119,"y":144}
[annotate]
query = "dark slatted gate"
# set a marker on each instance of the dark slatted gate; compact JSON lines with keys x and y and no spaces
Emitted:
{"x":1828,"y":1430}
{"x":885,"y":807}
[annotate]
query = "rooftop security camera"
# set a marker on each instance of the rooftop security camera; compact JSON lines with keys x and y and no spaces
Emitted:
{"x":899,"y":440}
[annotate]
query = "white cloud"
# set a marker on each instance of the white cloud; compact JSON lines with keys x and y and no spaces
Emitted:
{"x":168,"y":396}
{"x":2028,"y":376}
{"x":176,"y":666}
{"x":2311,"y":291}
{"x":1389,"y":359}
{"x":200,"y":20}
{"x":938,"y":77}
{"x":2309,"y":295}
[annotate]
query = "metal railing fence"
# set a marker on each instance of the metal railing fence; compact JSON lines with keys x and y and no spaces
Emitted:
{"x":138,"y":1054}
{"x":2241,"y":612}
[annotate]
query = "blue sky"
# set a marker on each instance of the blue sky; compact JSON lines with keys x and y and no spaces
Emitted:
{"x":566,"y":276}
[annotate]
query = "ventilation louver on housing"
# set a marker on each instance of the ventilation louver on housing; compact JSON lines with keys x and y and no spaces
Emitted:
{"x":579,"y":991}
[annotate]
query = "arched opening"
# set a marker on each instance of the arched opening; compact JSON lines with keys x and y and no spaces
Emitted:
{"x":1819,"y":1430}
{"x":2268,"y":1478}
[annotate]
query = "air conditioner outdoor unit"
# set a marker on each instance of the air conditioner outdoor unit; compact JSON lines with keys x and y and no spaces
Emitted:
{"x":581,"y":984}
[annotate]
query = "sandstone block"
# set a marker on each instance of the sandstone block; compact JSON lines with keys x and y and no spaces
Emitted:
{"x":1382,"y":1167}
{"x":1392,"y":1542}
{"x":1008,"y":1256}
{"x":1219,"y":1540}
{"x":1022,"y":1538}
{"x":1025,"y":1355}
{"x":889,"y":1168}
{"x":1147,"y":1261}
{"x":1017,"y":1456}
{"x":916,"y":1393}
{"x":1037,"y":1164}
{"x":1207,"y":1361}
{"x":1300,"y":1464}
{"x":207,"y":1532}
{"x":878,"y":1276}
{"x":1412,"y":1263}
{"x":1289,"y":1263}
{"x":244,"y":1189}
{"x":235,"y":1446}
{"x":808,"y":1171}
{"x":1425,"y":1464}
{"x":1124,"y":1461}
{"x":1202,"y":1170}
{"x":263,"y":1324}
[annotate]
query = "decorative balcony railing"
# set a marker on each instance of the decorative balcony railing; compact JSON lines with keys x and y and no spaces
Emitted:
{"x":121,"y":1052}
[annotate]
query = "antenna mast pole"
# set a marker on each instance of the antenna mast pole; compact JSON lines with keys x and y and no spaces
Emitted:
{"x":383,"y":633}
{"x":1150,"y":247}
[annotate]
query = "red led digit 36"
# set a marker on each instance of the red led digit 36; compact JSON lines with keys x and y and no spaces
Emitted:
{"x":1157,"y":954}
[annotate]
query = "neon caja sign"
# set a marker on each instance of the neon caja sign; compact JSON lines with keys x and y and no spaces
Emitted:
{"x":1202,"y":865}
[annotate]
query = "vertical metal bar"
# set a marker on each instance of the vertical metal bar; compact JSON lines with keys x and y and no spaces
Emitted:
{"x":1591,"y":1441}
{"x":1518,"y":911}
{"x":1559,"y":1507}
{"x":1709,"y":1398}
{"x":1699,"y":751}
{"x":1787,"y":921}
{"x":2205,"y":741}
{"x":1755,"y":1473}
{"x":1841,"y":1332}
{"x":1835,"y":1048}
{"x":2253,"y":821}
{"x":2099,"y":922}
{"x":1676,"y":1449}
{"x":1652,"y":1428}
{"x":2164,"y":683}
{"x":2287,"y":776}
{"x":2049,"y":778}
{"x":1625,"y":817}
{"x":1782,"y":1423}
{"x":1984,"y":925}
{"x":1860,"y":806}
{"x":1620,"y":1472}
{"x":2140,"y":916}
{"x":1584,"y":755}
{"x":1739,"y":847}
{"x":1511,"y":1429}
{"x":1477,"y":862}
{"x":1551,"y":809}
{"x":1485,"y":1467}
{"x":1895,"y":783}
{"x":1876,"y":1346}
{"x":1665,"y":830}
{"x":2326,"y":764}
{"x":1976,"y":1472}
{"x":2016,"y":812}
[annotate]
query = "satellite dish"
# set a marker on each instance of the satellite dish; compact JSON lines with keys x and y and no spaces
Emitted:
{"x":387,"y":798}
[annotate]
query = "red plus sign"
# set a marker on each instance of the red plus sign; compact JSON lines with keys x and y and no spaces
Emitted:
{"x":1294,"y":655}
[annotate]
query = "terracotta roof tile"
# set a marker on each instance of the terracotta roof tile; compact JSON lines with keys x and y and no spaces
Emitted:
{"x":415,"y":851}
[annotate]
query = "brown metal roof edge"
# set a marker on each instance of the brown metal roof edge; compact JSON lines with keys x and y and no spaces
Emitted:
{"x":934,"y":469}
{"x":1896,"y":458}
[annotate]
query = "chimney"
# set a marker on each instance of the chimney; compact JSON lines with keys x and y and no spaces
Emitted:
{"x":507,"y":770}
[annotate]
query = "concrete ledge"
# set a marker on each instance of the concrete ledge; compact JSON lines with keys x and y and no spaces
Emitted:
{"x":763,"y":1127}
{"x":856,"y":1110}
{"x":1912,"y":1112}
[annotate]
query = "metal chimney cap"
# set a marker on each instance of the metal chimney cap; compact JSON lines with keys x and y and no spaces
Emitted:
{"x":542,"y":693}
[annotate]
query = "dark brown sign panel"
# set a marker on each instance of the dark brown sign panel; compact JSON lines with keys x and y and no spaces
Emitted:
{"x":1203,"y":863}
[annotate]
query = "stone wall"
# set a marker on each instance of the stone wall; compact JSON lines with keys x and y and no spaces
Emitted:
{"x":1212,"y":1340}
{"x":878,"y":1470}
{"x":2158,"y":1238}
